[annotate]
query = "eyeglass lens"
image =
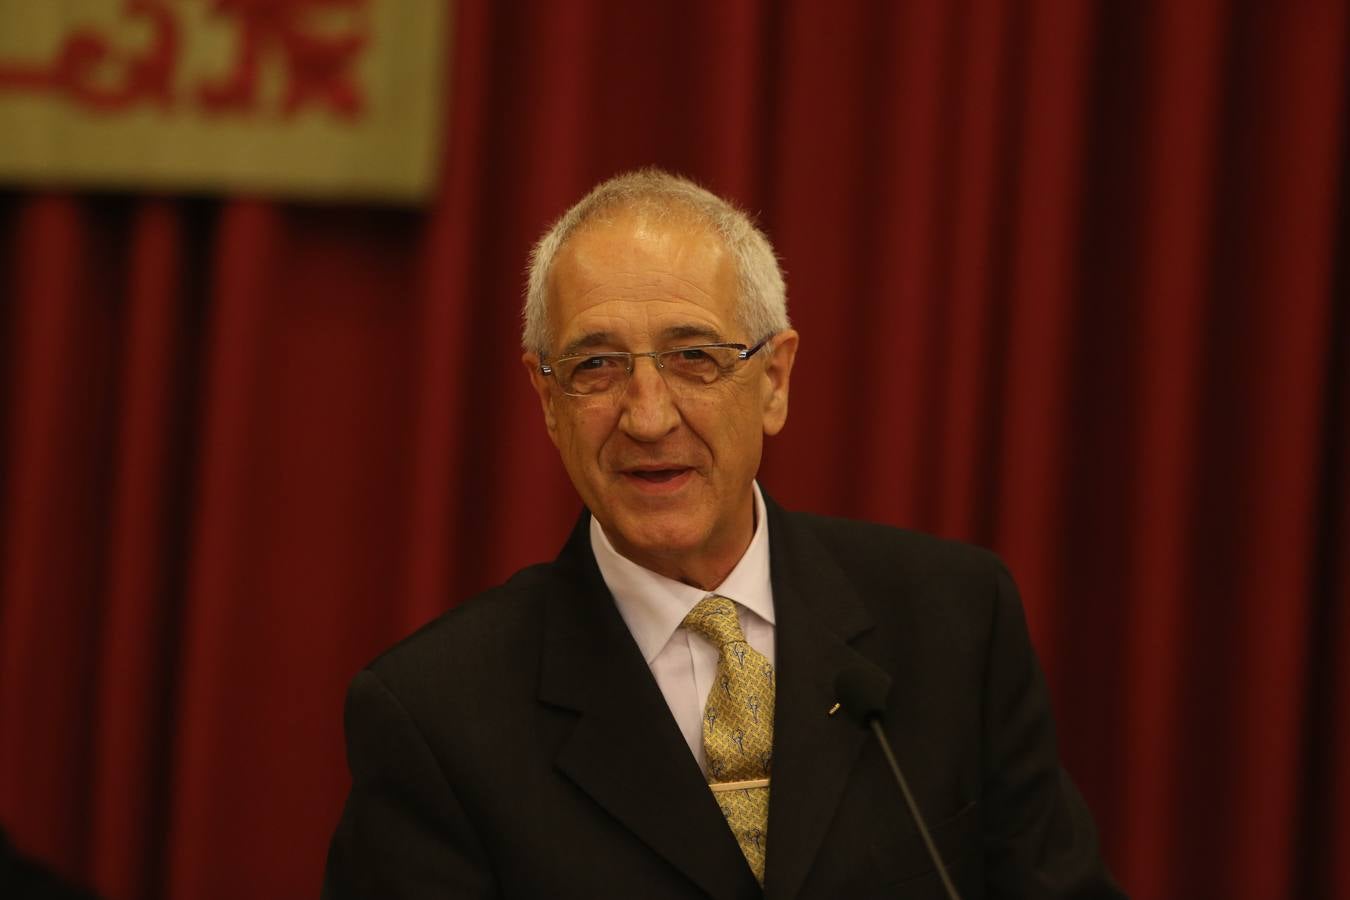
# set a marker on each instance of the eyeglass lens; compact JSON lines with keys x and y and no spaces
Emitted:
{"x":604,"y":372}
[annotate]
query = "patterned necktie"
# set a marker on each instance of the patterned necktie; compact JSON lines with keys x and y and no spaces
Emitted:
{"x":737,"y":727}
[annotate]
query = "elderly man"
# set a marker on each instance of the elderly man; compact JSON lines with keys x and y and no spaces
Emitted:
{"x":650,"y":714}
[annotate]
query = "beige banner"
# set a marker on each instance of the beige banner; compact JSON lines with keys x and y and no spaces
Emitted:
{"x":309,"y":98}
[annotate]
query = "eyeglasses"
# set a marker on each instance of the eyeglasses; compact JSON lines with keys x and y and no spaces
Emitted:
{"x":589,"y":374}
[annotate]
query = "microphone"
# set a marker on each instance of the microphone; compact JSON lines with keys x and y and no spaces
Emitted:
{"x":862,"y":694}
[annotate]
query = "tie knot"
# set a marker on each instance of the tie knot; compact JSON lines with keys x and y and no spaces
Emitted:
{"x":715,"y":618}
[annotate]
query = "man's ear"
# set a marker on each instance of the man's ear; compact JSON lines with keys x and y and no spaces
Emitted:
{"x":782,"y":352}
{"x":543,"y":386}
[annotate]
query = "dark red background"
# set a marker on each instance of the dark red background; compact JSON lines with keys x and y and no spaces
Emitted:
{"x":1071,"y":280}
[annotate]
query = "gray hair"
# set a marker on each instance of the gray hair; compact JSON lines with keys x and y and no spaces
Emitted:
{"x":661,"y":196}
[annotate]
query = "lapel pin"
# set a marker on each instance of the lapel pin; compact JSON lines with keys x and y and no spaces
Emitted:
{"x":833,"y":709}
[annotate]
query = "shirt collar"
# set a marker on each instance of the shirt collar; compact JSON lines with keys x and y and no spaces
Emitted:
{"x":653,"y":606}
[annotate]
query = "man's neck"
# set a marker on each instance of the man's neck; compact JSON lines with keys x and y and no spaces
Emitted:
{"x":700,"y":569}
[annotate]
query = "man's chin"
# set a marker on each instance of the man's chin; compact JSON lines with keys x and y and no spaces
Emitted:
{"x":656,"y":535}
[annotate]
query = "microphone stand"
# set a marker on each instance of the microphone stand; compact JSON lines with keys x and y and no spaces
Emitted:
{"x":950,"y":888}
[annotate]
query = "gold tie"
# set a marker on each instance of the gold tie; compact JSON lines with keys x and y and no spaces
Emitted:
{"x":738,"y":727}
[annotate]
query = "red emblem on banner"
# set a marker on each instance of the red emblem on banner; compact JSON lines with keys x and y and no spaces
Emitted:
{"x":91,"y":71}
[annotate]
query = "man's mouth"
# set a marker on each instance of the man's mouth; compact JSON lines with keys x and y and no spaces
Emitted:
{"x":656,"y":476}
{"x":658,"y":479}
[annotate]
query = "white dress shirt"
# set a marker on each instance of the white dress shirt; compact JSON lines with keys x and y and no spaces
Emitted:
{"x":653,"y":606}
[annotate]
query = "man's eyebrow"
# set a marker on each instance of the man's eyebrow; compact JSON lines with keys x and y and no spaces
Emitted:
{"x":588,"y":341}
{"x":594,"y":339}
{"x":685,"y":332}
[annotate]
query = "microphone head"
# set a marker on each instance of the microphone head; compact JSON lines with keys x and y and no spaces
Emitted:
{"x":862,"y":692}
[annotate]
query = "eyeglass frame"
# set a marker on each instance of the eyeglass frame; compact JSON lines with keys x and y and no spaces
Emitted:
{"x":743,"y":353}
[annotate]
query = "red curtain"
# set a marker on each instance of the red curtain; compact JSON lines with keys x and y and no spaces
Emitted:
{"x":1071,"y":281}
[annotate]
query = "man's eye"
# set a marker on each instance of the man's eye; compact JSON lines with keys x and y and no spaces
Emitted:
{"x":695,"y":363}
{"x":693,"y":359}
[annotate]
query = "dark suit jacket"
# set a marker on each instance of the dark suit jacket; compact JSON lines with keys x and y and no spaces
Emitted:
{"x":519,"y":747}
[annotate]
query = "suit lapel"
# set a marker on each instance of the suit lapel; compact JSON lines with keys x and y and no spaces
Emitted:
{"x":817,"y":614}
{"x":625,"y":750}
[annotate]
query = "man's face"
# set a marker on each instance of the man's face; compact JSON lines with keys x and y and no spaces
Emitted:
{"x":668,"y":475}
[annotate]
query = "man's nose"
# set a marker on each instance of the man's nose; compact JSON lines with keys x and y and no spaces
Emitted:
{"x":649,"y":411}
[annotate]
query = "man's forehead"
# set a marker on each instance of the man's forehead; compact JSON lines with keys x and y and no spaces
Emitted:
{"x":631,"y":279}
